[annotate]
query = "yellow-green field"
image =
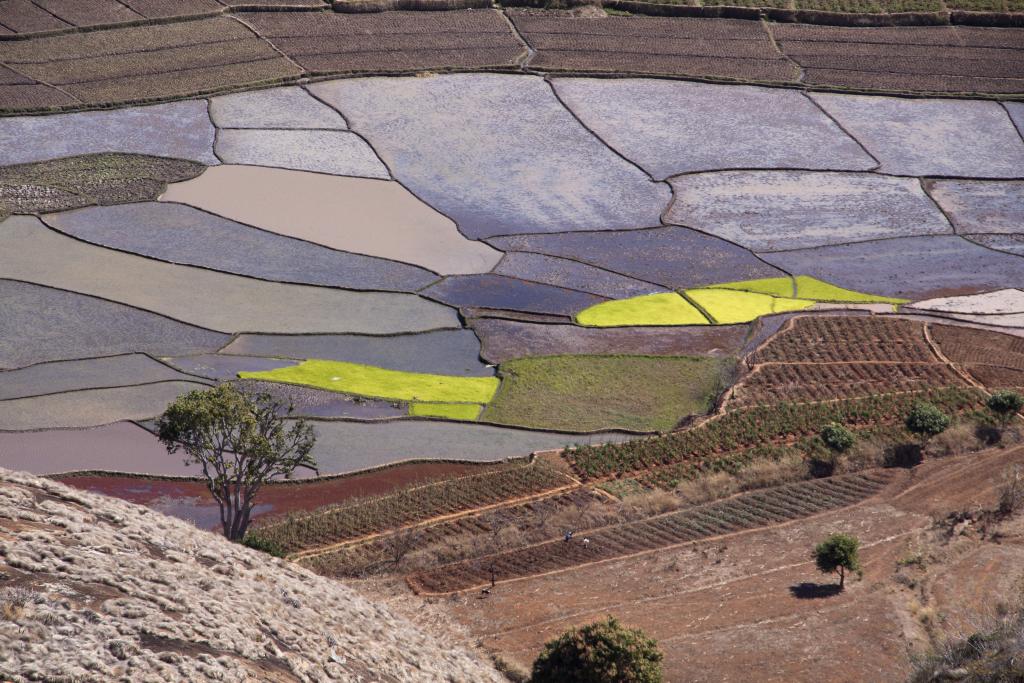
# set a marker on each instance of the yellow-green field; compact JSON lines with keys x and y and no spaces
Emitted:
{"x":367,"y":380}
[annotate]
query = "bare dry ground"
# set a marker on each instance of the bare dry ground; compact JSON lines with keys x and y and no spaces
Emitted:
{"x":753,"y":601}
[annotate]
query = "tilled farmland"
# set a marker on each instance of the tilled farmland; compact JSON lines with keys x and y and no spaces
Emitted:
{"x":331,"y":525}
{"x":746,"y":511}
{"x":130,"y":53}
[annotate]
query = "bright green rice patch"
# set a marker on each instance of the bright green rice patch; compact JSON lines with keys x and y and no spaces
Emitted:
{"x":776,"y":286}
{"x":449,"y":411}
{"x":727,"y":306}
{"x":808,"y":287}
{"x":650,"y":309}
{"x":590,"y":393}
{"x":367,"y":380}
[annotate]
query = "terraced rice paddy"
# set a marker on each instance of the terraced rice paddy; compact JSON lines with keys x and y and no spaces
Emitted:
{"x":471,"y":249}
{"x":398,"y":271}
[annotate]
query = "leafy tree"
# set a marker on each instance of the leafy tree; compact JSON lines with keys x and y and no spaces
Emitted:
{"x":838,"y":438}
{"x":241,"y":441}
{"x":926,"y":421}
{"x":838,"y":554}
{"x":1004,"y":405}
{"x":602,"y":652}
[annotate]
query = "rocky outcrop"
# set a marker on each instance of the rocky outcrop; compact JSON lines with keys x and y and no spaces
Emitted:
{"x":96,"y":589}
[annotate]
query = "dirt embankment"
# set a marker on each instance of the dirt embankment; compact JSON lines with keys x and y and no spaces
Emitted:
{"x":753,"y":601}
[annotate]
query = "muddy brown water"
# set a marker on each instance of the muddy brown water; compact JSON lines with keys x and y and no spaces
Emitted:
{"x":191,"y":501}
{"x":374,"y":217}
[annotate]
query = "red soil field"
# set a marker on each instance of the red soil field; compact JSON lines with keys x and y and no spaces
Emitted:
{"x":972,"y":346}
{"x":829,"y":339}
{"x":191,"y":500}
{"x":748,"y":510}
{"x":827,"y":381}
{"x":752,"y":605}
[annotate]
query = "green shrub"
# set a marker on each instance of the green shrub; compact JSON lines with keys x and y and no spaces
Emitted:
{"x":838,"y":554}
{"x":1004,"y":405}
{"x":264,"y":545}
{"x":837,"y":437}
{"x":926,"y":421}
{"x":603,"y":652}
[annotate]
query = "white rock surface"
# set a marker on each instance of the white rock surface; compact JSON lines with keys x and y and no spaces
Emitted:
{"x":96,"y":589}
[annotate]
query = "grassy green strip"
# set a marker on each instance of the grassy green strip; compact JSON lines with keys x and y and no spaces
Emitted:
{"x":590,"y":393}
{"x":367,"y":380}
{"x":450,"y":411}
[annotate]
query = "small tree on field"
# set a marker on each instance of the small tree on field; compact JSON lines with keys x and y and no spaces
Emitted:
{"x":603,"y":652}
{"x":241,"y":441}
{"x":838,"y":438}
{"x":926,"y":421}
{"x":838,"y":554}
{"x":1004,"y":405}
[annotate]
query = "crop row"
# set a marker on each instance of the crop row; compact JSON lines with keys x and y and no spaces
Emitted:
{"x":671,"y":476}
{"x":825,"y":339}
{"x":746,"y":511}
{"x":758,"y":426}
{"x":970,"y":346}
{"x":337,"y":523}
{"x":824,"y":382}
{"x":456,"y":539}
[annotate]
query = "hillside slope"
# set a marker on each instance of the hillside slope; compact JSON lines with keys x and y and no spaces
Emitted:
{"x":96,"y":589}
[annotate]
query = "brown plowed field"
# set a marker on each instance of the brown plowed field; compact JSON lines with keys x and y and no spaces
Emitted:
{"x":158,"y":61}
{"x":837,"y":339}
{"x":829,"y":381}
{"x":338,"y":524}
{"x":324,"y":42}
{"x":956,"y":59}
{"x":721,"y":48}
{"x":745,"y":511}
{"x":971,"y":346}
{"x":742,"y":608}
{"x":528,"y":520}
{"x":995,"y":377}
{"x":130,"y":62}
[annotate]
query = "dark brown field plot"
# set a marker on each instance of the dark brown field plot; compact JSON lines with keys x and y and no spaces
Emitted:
{"x":23,"y":16}
{"x":746,"y":511}
{"x":995,"y":377}
{"x":804,"y":382}
{"x":150,"y":62}
{"x":841,"y":339}
{"x":969,"y":346}
{"x":932,"y":59}
{"x":159,"y":9}
{"x":36,"y":16}
{"x":464,"y":537}
{"x":717,"y":48}
{"x":90,"y":12}
{"x":325,"y":42}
